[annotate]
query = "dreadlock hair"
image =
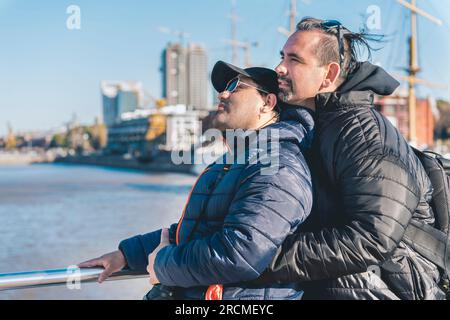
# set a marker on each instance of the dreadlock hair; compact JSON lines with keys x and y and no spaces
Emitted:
{"x":327,"y":50}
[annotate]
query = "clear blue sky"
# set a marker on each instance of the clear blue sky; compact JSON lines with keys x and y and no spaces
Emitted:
{"x":48,"y":72}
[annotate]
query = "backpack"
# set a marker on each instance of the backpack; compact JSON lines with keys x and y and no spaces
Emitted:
{"x":433,"y":242}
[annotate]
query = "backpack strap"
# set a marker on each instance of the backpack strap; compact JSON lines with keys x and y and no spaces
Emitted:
{"x":430,"y":242}
{"x":433,"y":242}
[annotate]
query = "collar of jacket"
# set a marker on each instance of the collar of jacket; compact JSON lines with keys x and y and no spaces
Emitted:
{"x":296,"y":124}
{"x":333,"y":101}
{"x":299,"y":114}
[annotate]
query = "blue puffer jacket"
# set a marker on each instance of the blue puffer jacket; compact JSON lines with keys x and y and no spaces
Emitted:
{"x":237,"y":217}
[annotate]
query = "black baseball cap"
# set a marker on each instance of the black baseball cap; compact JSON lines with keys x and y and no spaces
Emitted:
{"x":223,"y":72}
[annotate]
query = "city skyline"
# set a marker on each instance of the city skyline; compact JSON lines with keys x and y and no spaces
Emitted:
{"x":50,"y":72}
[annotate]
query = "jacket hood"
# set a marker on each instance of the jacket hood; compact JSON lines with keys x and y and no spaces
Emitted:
{"x":369,"y":77}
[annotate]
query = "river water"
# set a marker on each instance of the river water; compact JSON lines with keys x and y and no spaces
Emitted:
{"x":54,"y":216}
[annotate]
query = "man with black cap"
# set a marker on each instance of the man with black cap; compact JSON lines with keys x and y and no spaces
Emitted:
{"x":248,"y":98}
{"x":238,"y":213}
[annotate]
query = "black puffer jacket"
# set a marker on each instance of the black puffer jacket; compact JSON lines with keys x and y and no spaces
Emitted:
{"x":369,"y":184}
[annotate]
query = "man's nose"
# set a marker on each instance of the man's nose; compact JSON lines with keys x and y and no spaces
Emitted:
{"x":281,"y":69}
{"x":223,"y":95}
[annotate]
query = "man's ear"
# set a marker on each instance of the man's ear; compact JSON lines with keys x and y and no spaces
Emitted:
{"x":270,"y":103}
{"x":331,"y":77}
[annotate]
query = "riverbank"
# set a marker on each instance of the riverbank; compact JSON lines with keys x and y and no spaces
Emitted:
{"x":162,"y":163}
{"x":24,"y":157}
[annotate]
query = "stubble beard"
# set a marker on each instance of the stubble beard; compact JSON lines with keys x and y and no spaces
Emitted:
{"x":286,"y":95}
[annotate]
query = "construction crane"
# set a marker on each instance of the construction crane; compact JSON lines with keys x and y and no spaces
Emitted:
{"x":180,"y":34}
{"x":10,"y":142}
{"x":292,"y":20}
{"x":237,"y":44}
{"x":157,"y":120}
{"x":246,"y":47}
{"x":233,"y":42}
{"x":150,"y":99}
{"x":414,"y":68}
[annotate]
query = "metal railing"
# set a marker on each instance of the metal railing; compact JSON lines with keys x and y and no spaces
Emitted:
{"x":58,"y":277}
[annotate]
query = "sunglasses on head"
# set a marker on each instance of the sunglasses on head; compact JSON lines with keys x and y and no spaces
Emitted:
{"x":341,"y":30}
{"x":234,"y":83}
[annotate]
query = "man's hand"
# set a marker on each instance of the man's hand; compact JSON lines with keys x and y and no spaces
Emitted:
{"x":111,"y":262}
{"x":152,"y":256}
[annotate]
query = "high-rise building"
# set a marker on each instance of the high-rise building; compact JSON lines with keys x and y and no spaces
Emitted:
{"x":118,"y":98}
{"x":198,"y":78}
{"x":109,"y":97}
{"x":185,"y":76}
{"x":174,"y":75}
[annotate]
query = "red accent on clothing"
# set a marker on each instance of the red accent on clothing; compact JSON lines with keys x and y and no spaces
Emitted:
{"x":214,"y":292}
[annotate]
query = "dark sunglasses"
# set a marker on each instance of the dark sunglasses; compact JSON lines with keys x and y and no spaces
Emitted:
{"x":234,"y":83}
{"x":341,"y":30}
